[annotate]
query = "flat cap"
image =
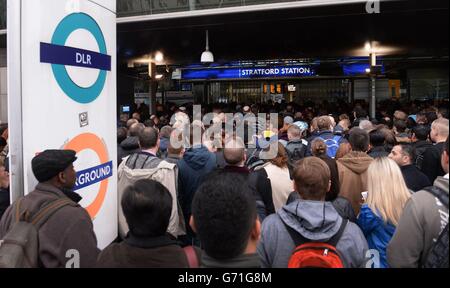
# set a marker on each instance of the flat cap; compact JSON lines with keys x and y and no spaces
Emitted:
{"x":49,"y":163}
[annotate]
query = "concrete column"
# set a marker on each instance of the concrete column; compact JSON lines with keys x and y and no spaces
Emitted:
{"x":373,"y":102}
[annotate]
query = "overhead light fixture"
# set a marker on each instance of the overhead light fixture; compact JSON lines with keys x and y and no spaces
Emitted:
{"x":368,"y":47}
{"x":207,"y":56}
{"x":159,"y":77}
{"x":159,"y":57}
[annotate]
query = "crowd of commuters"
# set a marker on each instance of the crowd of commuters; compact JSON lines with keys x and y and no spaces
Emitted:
{"x":339,"y":186}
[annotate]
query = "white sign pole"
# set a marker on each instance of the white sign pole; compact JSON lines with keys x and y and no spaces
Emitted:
{"x":14,"y":71}
{"x":62,"y":95}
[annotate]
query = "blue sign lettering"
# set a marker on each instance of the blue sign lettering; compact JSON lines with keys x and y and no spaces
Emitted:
{"x":69,"y":56}
{"x":247,"y":73}
{"x":93,"y":175}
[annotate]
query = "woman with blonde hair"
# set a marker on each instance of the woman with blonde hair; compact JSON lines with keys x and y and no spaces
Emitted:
{"x":386,"y":197}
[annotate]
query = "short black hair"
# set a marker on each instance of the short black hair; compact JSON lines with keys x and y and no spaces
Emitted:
{"x":422,"y":132}
{"x":443,"y":110}
{"x":446,"y":146}
{"x":121,"y":134}
{"x":408,"y":150}
{"x":359,"y":140}
{"x":431,"y":116}
{"x":149,"y":123}
{"x":224,"y":211}
{"x":400,"y":125}
{"x":377,"y":138}
{"x":360,"y":112}
{"x":147,"y":206}
{"x":148,"y":138}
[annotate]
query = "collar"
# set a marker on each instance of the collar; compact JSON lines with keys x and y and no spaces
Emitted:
{"x":446,"y":176}
{"x":148,"y":152}
{"x":149,"y":242}
{"x":237,"y":169}
{"x":59,"y":192}
{"x":241,"y":261}
{"x":174,"y":156}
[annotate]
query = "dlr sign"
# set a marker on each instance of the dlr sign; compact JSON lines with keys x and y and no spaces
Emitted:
{"x":83,"y":59}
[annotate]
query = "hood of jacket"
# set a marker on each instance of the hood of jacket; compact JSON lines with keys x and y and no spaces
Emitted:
{"x":314,"y":220}
{"x":357,"y":162}
{"x":197,"y":157}
{"x":131,"y":143}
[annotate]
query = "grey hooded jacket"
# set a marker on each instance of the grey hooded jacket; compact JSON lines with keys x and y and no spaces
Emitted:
{"x":314,"y":220}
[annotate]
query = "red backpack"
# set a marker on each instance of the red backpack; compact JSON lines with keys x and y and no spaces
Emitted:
{"x":310,"y":254}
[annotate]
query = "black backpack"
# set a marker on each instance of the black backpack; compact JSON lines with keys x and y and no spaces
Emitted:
{"x":438,"y":255}
{"x":297,"y":154}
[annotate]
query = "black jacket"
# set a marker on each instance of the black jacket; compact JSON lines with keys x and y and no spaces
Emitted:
{"x":334,"y":173}
{"x":127,"y":147}
{"x":414,"y":179}
{"x":431,"y":164}
{"x":137,"y":252}
{"x":378,"y":152}
{"x":4,"y":201}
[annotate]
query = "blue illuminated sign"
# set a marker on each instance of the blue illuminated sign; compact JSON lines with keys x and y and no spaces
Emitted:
{"x":357,"y":69}
{"x":60,"y":56}
{"x":247,"y":73}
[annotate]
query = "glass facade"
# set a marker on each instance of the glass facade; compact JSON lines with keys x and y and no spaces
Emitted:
{"x":126,"y":8}
{"x":2,"y":14}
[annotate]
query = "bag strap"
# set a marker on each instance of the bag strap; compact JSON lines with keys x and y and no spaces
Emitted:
{"x":438,"y":193}
{"x":191,"y":256}
{"x":299,"y":239}
{"x":337,"y":138}
{"x":41,"y":217}
{"x":334,"y":241}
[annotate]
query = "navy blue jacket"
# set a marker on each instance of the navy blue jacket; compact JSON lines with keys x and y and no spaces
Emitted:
{"x":197,"y":162}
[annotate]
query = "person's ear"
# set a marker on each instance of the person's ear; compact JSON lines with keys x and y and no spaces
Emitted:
{"x":329,"y":186}
{"x":295,"y":186}
{"x":192,"y":224}
{"x":62,"y":177}
{"x":256,"y":230}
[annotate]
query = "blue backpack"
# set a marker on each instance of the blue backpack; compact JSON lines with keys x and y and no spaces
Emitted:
{"x":332,"y":145}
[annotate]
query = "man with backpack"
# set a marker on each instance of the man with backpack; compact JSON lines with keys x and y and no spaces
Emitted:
{"x":308,"y":232}
{"x":48,"y":220}
{"x":422,"y":237}
{"x":325,"y":133}
{"x":295,"y":148}
{"x":146,"y":165}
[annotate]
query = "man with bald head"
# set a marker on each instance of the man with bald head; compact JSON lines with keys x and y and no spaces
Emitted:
{"x":235,"y":157}
{"x":432,"y":156}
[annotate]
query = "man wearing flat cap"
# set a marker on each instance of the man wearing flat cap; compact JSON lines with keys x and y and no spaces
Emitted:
{"x":70,"y":227}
